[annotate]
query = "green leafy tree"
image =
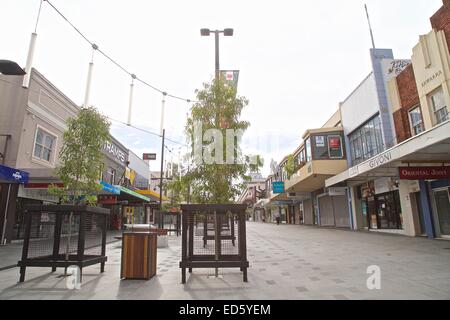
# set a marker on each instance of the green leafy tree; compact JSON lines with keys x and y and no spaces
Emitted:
{"x":290,"y":166}
{"x":218,"y":107}
{"x":81,"y":157}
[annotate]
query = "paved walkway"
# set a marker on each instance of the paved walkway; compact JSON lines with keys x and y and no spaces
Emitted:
{"x":286,"y":262}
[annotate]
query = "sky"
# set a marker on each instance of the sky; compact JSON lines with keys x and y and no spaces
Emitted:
{"x":297,"y":59}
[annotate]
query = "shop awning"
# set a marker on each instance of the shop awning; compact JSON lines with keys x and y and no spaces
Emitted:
{"x":13,"y":175}
{"x":109,"y":188}
{"x":431,"y":146}
{"x":127,"y":194}
{"x":151,"y":194}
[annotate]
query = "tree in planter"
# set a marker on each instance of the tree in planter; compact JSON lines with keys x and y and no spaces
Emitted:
{"x":81,"y":160}
{"x":219,"y":108}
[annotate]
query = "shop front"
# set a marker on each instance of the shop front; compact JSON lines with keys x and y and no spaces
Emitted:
{"x":404,"y":188}
{"x":381,"y":207}
{"x":441,"y":201}
{"x":135,"y":209}
{"x":10,"y":180}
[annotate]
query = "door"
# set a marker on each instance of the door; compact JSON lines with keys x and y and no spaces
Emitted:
{"x":442,"y":200}
{"x":388,"y":211}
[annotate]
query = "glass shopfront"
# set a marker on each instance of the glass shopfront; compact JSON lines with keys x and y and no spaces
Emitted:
{"x":442,"y":202}
{"x":380,"y":211}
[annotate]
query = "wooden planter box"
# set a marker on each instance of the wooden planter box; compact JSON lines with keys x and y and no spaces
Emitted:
{"x":213,"y":236}
{"x":139,"y":255}
{"x":51,"y":241}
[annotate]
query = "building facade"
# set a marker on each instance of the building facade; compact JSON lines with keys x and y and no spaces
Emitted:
{"x":33,"y":121}
{"x":404,"y":188}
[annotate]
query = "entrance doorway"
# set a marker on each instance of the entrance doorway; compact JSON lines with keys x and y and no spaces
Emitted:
{"x":442,"y":200}
{"x":389,"y":214}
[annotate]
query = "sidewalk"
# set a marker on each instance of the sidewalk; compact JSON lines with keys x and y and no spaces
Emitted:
{"x":286,"y":262}
{"x":10,"y":254}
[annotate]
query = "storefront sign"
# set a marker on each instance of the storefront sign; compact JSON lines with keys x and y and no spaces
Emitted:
{"x":353,"y":171}
{"x":432,"y":78}
{"x":278,"y":186}
{"x":13,"y":175}
{"x":149,"y":156}
{"x":335,"y":146}
{"x":382,"y":185}
{"x":380,"y":160}
{"x":424,"y":173}
{"x":114,"y":150}
{"x":337,"y":191}
{"x":104,"y":199}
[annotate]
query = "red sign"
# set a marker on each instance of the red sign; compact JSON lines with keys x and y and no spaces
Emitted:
{"x":44,"y":185}
{"x":104,"y":199}
{"x":149,"y":156}
{"x":335,"y":142}
{"x":424,"y":173}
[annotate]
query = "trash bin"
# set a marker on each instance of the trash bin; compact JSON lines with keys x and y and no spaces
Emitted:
{"x":139,"y":255}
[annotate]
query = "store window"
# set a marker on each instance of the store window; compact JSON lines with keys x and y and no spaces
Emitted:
{"x":438,"y":106}
{"x":366,"y":141}
{"x":416,"y":121}
{"x":308,"y":150}
{"x":44,"y":145}
{"x":110,"y":176}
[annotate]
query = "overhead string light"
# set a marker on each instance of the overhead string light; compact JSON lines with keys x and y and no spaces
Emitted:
{"x":134,"y":77}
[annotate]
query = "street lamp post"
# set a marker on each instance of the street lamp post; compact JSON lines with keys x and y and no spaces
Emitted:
{"x":226,"y":32}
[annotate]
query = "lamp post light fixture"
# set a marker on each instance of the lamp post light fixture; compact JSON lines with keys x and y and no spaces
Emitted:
{"x":228,"y":32}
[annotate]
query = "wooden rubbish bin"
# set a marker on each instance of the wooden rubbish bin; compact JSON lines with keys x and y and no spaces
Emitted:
{"x":138,"y":255}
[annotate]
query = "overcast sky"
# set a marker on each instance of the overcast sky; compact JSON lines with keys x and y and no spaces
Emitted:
{"x":297,"y":59}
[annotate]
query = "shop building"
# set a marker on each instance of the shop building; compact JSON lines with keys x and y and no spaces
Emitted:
{"x":32,"y":126}
{"x":405,"y":187}
{"x":420,"y":96}
{"x":303,"y":197}
{"x":252,"y":194}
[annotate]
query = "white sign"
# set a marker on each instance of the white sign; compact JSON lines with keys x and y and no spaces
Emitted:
{"x":383,"y":185}
{"x":337,"y":191}
{"x":320,"y":141}
{"x":115,"y":151}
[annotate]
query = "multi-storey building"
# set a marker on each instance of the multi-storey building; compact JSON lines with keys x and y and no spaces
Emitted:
{"x":304,"y":199}
{"x":253,"y":192}
{"x":33,"y":121}
{"x":404,"y":187}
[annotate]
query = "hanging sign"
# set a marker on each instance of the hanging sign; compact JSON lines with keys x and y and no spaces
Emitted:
{"x":149,"y":156}
{"x":424,"y":173}
{"x":13,"y":175}
{"x":278,"y":186}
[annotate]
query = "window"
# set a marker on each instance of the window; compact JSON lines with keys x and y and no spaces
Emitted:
{"x":44,"y":145}
{"x":308,"y":150}
{"x":416,"y":121}
{"x":302,"y":156}
{"x":438,"y":105}
{"x":366,"y":141}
